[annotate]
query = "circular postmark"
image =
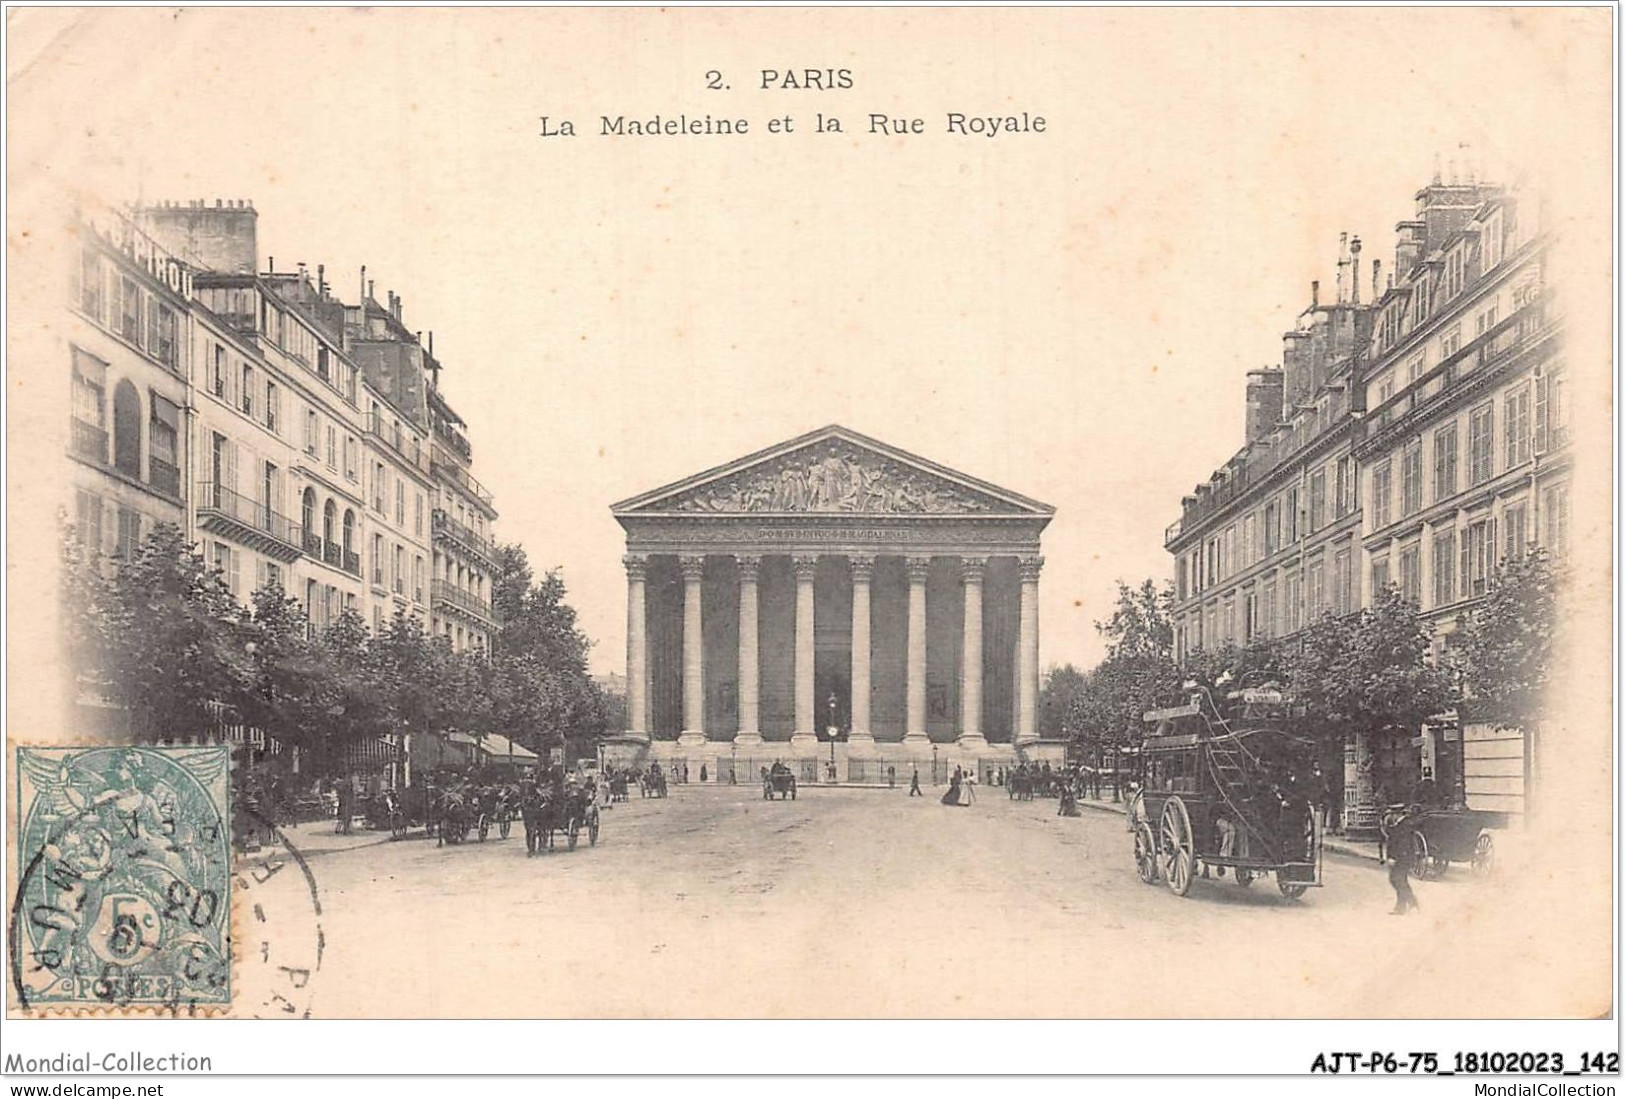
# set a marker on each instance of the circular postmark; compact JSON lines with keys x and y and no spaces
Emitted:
{"x":280,"y":943}
{"x":124,"y":896}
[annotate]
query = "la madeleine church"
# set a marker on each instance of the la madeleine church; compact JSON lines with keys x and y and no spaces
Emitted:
{"x":832,"y":599}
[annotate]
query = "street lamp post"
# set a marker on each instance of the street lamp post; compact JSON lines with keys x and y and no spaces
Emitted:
{"x":933,"y":765}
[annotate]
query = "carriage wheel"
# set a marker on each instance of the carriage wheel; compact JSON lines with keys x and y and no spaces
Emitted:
{"x":592,"y":830}
{"x":1145,"y":853}
{"x":485,"y":827}
{"x":573,"y":830}
{"x":1178,"y":852}
{"x":1291,"y":890}
{"x":1244,"y":876}
{"x":504,"y":826}
{"x":1421,"y":863}
{"x":1484,"y":855}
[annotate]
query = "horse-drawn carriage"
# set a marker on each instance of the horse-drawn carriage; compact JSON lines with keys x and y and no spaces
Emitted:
{"x":1440,"y":836}
{"x":1226,"y":795}
{"x":555,"y":806}
{"x":779,"y":780}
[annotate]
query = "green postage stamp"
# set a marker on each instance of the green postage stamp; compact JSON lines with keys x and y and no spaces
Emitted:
{"x":123,"y":879}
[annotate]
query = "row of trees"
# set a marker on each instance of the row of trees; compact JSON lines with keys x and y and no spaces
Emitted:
{"x":1367,"y":672}
{"x":160,"y":636}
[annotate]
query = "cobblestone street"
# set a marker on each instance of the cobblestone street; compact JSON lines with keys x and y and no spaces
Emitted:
{"x":850,"y":902}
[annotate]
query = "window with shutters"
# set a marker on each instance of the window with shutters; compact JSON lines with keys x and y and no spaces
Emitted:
{"x":332,"y":447}
{"x":312,"y":432}
{"x":87,"y":514}
{"x":129,"y":534}
{"x":1272,"y":528}
{"x":1516,"y":424}
{"x":92,"y":285}
{"x":1382,"y":495}
{"x":1444,"y":568}
{"x":1294,"y":601}
{"x":1317,"y":500}
{"x":164,"y":434}
{"x":218,"y":383}
{"x":1444,"y":462}
{"x":1289,"y":516}
{"x":417,"y":514}
{"x":398,"y":575}
{"x":1267,"y":622}
{"x":165,"y":345}
{"x":1410,"y":573}
{"x":1477,"y":557}
{"x":127,"y":429}
{"x":246,"y":394}
{"x":378,"y":559}
{"x":273,"y":407}
{"x":1315,"y":595}
{"x":89,"y":438}
{"x":1551,"y":410}
{"x":351,"y":448}
{"x":1410,"y":478}
{"x":1342,"y":583}
{"x":400,"y":503}
{"x":1450,"y":342}
{"x":129,"y":313}
{"x":1379,"y":576}
{"x":1481,"y":444}
{"x":1514,"y":521}
{"x":1554,"y":508}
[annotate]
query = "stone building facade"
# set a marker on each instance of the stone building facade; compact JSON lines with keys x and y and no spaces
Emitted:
{"x":1416,"y":439}
{"x":832,"y":582}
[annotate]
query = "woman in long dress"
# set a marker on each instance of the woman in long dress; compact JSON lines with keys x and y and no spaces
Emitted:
{"x":952,"y":796}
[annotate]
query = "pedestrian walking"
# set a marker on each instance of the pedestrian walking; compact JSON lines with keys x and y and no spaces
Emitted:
{"x":914,"y":790}
{"x":1399,"y":867}
{"x":891,"y":776}
{"x":702,"y":774}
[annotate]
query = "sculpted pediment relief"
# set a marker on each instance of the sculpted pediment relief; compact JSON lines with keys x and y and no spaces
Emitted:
{"x":831,"y":478}
{"x":832,"y":471}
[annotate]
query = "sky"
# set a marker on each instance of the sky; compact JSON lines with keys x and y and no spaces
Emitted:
{"x":1070,"y":314}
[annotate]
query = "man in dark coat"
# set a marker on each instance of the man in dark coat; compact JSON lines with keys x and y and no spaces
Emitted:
{"x":1399,"y":866}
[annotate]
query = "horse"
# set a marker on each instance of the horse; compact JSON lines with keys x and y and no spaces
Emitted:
{"x":454,"y":813}
{"x":554,"y":808}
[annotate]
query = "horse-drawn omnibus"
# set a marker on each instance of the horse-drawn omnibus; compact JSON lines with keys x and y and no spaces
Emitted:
{"x":1225,"y":794}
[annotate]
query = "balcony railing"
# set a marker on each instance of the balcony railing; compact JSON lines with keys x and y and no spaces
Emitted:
{"x":333,"y":554}
{"x":89,"y":441}
{"x":352,"y":562}
{"x":222,"y":509}
{"x":399,"y":443}
{"x":447,"y":592}
{"x":446,"y":525}
{"x":441,"y":465}
{"x":164,"y":477}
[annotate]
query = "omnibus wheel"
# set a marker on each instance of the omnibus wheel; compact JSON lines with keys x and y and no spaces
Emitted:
{"x":1145,"y":853}
{"x":1291,"y":890}
{"x":1177,"y":847}
{"x":1484,"y":855}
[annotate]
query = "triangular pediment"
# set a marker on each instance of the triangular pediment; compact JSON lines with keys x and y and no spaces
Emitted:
{"x":832,"y":471}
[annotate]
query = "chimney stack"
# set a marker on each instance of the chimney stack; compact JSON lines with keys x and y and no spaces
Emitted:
{"x":321,"y":280}
{"x":1314,"y":294}
{"x":363,"y":284}
{"x":1354,"y":260}
{"x":1376,"y":280}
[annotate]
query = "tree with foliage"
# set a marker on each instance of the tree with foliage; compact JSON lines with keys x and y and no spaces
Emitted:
{"x":1366,"y":674}
{"x":291,"y":689}
{"x":542,"y":691}
{"x":1507,"y":646}
{"x":1061,"y":684}
{"x":159,"y":634}
{"x":1139,"y":672}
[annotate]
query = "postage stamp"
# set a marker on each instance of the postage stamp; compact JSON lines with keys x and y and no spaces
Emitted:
{"x":124,"y":878}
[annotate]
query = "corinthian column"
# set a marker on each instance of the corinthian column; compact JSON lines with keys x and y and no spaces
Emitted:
{"x":750,"y":733}
{"x":1027,"y":653}
{"x":914,"y":731}
{"x":637,"y":682}
{"x":693,"y":734}
{"x":970,"y":682}
{"x":863,"y":573}
{"x":805,"y":734}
